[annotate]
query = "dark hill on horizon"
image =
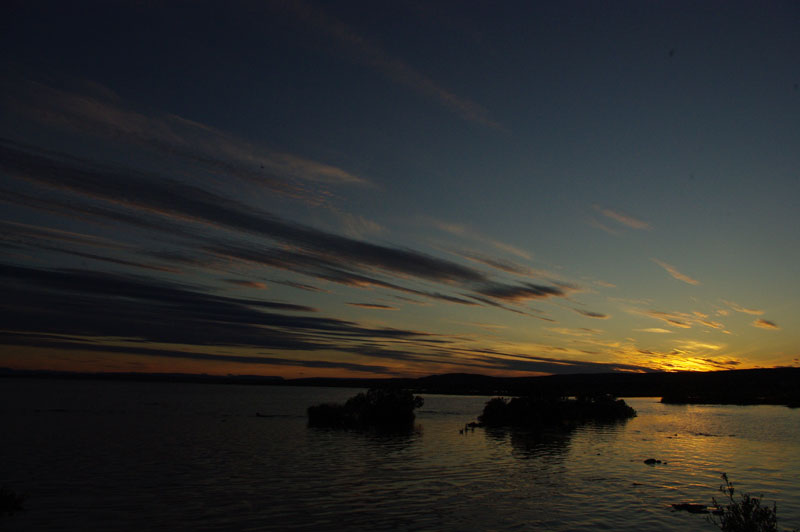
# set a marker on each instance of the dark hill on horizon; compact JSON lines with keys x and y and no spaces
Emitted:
{"x":743,"y":386}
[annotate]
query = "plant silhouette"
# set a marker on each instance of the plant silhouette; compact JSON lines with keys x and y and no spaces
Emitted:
{"x":745,"y":514}
{"x":381,"y":407}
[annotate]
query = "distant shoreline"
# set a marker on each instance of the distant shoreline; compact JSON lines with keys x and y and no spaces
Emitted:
{"x":779,"y":386}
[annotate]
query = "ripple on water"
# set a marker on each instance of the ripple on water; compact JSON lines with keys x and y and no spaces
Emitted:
{"x":205,"y":461}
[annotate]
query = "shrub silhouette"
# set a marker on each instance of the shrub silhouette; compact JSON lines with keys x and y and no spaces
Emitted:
{"x":553,"y":411}
{"x":10,"y":502}
{"x":744,"y":515}
{"x":376,"y":407}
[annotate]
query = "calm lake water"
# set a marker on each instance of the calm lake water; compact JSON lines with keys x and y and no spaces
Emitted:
{"x":157,"y":456}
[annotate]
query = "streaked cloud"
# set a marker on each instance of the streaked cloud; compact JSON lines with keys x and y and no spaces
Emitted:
{"x":247,"y":284}
{"x":508,"y":248}
{"x":84,"y":310}
{"x":370,"y":53}
{"x":744,"y":310}
{"x":373,"y":306}
{"x":675,"y":319}
{"x":622,"y":218}
{"x":695,"y":345}
{"x":765,"y":324}
{"x":214,"y":149}
{"x":467,"y":232}
{"x":681,"y":320}
{"x":357,"y":226}
{"x":675,"y":273}
{"x":15,"y":231}
{"x":177,"y":201}
{"x":603,"y":227}
{"x":519,"y":292}
{"x":300,"y":286}
{"x":333,"y":189}
{"x":591,"y":314}
{"x":605,"y":284}
{"x":574,"y":332}
{"x":304,"y":249}
{"x":488,"y":326}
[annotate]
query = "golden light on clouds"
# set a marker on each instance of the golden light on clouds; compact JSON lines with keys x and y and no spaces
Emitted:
{"x":765,"y":324}
{"x":675,"y":273}
{"x":739,"y":308}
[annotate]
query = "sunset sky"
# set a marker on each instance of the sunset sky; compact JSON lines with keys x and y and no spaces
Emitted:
{"x":303,"y":188}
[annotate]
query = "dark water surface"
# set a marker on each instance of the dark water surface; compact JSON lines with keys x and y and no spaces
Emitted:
{"x":158,"y":456}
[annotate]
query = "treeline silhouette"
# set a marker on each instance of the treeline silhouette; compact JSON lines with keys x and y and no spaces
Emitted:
{"x":746,"y":386}
{"x":780,"y":386}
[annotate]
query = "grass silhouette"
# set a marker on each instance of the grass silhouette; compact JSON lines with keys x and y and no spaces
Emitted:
{"x":745,"y":514}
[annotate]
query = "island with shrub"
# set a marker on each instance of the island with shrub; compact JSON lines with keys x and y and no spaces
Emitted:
{"x":378,"y":407}
{"x":553,"y":411}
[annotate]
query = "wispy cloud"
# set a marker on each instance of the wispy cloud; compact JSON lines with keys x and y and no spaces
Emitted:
{"x":373,"y":306}
{"x":300,"y":286}
{"x":622,"y":218}
{"x":595,"y":223}
{"x":605,"y":284}
{"x":765,"y":324}
{"x":575,"y":332}
{"x":683,"y":320}
{"x":467,"y":232}
{"x":16,"y":231}
{"x":508,"y":248}
{"x":247,"y":284}
{"x":675,"y":273}
{"x":85,"y":310}
{"x":488,"y":326}
{"x":675,"y":319}
{"x":372,"y":54}
{"x":498,"y":264}
{"x":695,"y":346}
{"x":355,"y":225}
{"x":85,"y":344}
{"x":177,"y":201}
{"x":214,"y":149}
{"x":591,"y":314}
{"x":26,"y":236}
{"x":744,"y":310}
{"x":656,"y":330}
{"x":519,"y":292}
{"x":295,"y":247}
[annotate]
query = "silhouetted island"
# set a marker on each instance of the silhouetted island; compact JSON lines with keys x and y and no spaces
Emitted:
{"x":378,"y":407}
{"x":553,"y":411}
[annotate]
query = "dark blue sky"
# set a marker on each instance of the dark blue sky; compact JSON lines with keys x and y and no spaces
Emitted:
{"x":303,"y":188}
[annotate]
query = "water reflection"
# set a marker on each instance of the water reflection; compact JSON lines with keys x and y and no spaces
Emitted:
{"x":527,"y":444}
{"x":550,"y":442}
{"x":382,"y":439}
